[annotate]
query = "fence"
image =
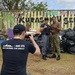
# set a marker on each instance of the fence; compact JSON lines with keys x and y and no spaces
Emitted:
{"x":10,"y":18}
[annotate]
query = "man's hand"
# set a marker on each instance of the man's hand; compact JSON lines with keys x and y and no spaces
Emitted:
{"x":52,"y":31}
{"x":45,"y":26}
{"x":42,"y":28}
{"x":31,"y":37}
{"x":57,"y":28}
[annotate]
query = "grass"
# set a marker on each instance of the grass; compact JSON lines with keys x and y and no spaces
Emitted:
{"x":37,"y":66}
{"x":66,"y":66}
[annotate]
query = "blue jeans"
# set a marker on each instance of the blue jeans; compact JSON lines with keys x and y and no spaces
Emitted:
{"x":45,"y":44}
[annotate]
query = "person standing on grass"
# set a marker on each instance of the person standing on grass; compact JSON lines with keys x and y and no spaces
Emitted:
{"x":15,"y":52}
{"x":45,"y":32}
{"x":55,"y":40}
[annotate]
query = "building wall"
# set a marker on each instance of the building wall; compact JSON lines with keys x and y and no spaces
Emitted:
{"x":35,"y":18}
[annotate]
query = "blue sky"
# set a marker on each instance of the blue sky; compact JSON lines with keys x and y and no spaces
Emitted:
{"x":59,"y":4}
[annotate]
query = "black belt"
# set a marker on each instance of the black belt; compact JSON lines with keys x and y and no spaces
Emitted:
{"x":45,"y":34}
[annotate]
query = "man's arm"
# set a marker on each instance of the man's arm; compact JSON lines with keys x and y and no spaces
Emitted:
{"x":43,"y":27}
{"x":51,"y":30}
{"x":58,"y":27}
{"x":37,"y":52}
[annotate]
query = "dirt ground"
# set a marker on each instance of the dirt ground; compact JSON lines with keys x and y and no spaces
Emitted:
{"x":66,"y":66}
{"x":37,"y":66}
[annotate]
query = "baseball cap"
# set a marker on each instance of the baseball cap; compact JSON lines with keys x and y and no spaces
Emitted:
{"x":19,"y":27}
{"x":46,"y":18}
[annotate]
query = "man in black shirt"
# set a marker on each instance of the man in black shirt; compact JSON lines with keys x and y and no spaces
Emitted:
{"x":15,"y":52}
{"x":45,"y":31}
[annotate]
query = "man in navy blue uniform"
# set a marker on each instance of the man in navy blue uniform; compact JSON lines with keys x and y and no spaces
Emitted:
{"x":45,"y":31}
{"x":15,"y":52}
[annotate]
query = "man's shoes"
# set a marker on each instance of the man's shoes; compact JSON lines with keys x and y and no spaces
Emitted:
{"x":58,"y":58}
{"x":44,"y":57}
{"x":53,"y":56}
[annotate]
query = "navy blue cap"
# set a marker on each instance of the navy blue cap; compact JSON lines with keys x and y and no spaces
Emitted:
{"x":46,"y":18}
{"x":19,"y":27}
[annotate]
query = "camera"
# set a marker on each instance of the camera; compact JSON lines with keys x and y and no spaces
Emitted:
{"x":27,"y":36}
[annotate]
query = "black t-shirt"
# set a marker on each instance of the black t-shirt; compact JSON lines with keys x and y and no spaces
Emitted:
{"x":15,"y":53}
{"x":46,"y":31}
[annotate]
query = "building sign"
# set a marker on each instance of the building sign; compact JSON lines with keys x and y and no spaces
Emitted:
{"x":63,"y":12}
{"x":49,"y":13}
{"x":10,"y":19}
{"x":66,"y":20}
{"x":72,"y":12}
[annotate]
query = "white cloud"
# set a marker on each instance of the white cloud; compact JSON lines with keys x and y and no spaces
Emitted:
{"x":66,"y":1}
{"x":66,"y":4}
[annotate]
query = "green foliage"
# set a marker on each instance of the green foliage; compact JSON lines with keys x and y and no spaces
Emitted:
{"x":41,"y":6}
{"x":14,"y":4}
{"x":23,"y":5}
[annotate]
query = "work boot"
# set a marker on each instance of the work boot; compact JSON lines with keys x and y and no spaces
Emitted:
{"x":58,"y":58}
{"x":44,"y":57}
{"x":53,"y":56}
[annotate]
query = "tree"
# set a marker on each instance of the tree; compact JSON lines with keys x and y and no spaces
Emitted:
{"x":23,"y":5}
{"x":40,"y":6}
{"x":14,"y":4}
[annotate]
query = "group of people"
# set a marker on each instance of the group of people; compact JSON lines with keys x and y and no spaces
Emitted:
{"x":52,"y":31}
{"x":15,"y":51}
